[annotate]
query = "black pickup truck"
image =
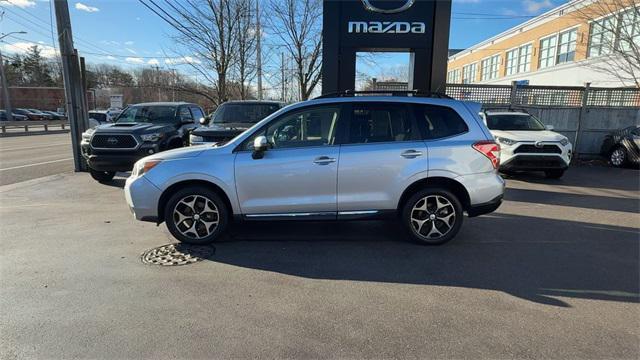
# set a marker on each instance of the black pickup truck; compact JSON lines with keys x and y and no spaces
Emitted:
{"x":140,"y":130}
{"x":231,"y":119}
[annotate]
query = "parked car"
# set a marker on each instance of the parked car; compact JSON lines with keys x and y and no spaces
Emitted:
{"x":231,"y":119}
{"x":101,"y":116}
{"x":423,"y":160}
{"x":55,"y":115}
{"x":141,"y":130}
{"x":526,"y":144}
{"x":622,"y":147}
{"x":16,"y":117}
{"x":44,"y":115}
{"x":29,"y":114}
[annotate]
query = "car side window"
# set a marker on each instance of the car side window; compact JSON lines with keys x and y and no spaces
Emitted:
{"x":380,"y":122}
{"x":184,"y":114}
{"x":302,"y":128}
{"x":197,"y":113}
{"x":440,"y":121}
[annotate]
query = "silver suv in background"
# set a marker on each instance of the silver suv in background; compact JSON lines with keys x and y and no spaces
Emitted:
{"x":422,"y":160}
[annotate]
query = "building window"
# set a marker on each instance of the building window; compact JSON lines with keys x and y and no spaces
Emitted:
{"x":519,"y":60}
{"x":601,"y":36}
{"x":629,"y":30}
{"x":567,"y":46}
{"x":469,"y":73}
{"x":548,"y":52}
{"x":454,"y":76}
{"x":490,"y":68}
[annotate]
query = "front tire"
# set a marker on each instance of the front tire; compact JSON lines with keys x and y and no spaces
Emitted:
{"x":102,"y":176}
{"x":618,"y":157}
{"x":432,"y":216}
{"x":553,"y":174}
{"x":196,"y":215}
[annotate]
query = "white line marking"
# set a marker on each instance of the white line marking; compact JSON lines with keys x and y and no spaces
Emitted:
{"x":34,"y":147}
{"x":36,"y":164}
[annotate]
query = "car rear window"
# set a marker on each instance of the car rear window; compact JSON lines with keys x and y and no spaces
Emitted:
{"x":243,"y":113}
{"x":439,"y":121}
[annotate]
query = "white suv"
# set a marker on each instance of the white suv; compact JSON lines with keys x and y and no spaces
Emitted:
{"x":424,"y":161}
{"x":528,"y":145}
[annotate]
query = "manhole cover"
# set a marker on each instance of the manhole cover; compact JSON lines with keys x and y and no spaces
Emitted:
{"x":177,"y":254}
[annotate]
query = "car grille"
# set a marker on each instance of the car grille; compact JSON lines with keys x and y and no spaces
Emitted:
{"x":532,"y":149}
{"x":113,"y":141}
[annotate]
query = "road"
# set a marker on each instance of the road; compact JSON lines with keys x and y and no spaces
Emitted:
{"x":29,"y":157}
{"x":554,"y":273}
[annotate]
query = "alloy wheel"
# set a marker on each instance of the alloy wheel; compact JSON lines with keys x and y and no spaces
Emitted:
{"x":617,"y":157}
{"x":196,"y":216}
{"x":433,"y":216}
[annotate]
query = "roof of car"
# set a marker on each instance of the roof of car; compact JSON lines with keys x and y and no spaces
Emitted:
{"x":502,"y":112}
{"x":165,"y":103}
{"x":384,"y":98}
{"x":253,"y":102}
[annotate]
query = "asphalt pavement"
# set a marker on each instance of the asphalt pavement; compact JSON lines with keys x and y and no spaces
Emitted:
{"x":33,"y":156}
{"x":554,"y":273}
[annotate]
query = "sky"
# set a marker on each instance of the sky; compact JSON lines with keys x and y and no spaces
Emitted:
{"x":124,"y":32}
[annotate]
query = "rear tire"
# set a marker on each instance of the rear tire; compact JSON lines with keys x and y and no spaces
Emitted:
{"x":432,"y":216}
{"x":618,"y":157}
{"x":196,"y":215}
{"x":553,"y":174}
{"x":102,"y":176}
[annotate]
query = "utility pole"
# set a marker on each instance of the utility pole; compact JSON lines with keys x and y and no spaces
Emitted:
{"x":284,"y":81}
{"x":5,"y":91}
{"x":258,"y":50}
{"x":158,"y":81}
{"x":174,"y":80}
{"x":72,"y":82}
{"x":5,"y":85}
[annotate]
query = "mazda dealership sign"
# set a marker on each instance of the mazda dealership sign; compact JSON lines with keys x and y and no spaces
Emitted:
{"x":419,"y":27}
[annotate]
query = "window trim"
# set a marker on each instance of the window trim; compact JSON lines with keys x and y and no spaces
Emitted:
{"x":474,"y":76}
{"x":555,"y":51}
{"x":499,"y":56}
{"x":517,"y":65}
{"x":575,"y":51}
{"x":337,"y":137}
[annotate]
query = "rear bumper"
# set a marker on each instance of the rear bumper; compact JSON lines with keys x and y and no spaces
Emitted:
{"x":486,"y":208}
{"x":534,"y":162}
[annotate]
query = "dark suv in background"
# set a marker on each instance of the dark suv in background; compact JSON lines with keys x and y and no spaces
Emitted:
{"x":140,"y":130}
{"x":231,"y":119}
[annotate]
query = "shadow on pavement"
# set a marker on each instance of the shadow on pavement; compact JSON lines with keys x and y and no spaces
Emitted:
{"x":530,"y":258}
{"x":573,"y":200}
{"x":587,"y":176}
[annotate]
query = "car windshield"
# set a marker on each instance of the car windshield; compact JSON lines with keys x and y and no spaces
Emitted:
{"x":243,"y":113}
{"x":514,"y":122}
{"x":149,"y":114}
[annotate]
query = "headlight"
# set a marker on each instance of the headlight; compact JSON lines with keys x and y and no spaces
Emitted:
{"x":564,"y":142}
{"x":195,"y":138}
{"x":151,"y":137}
{"x":87,"y":134}
{"x":143,"y":167}
{"x":506,"y":141}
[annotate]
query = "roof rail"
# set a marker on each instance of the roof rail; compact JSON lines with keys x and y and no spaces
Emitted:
{"x":503,"y":108}
{"x":416,"y":93}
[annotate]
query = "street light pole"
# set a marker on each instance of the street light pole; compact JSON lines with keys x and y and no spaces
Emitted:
{"x":5,"y":85}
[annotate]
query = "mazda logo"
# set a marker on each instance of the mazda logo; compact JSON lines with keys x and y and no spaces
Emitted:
{"x":112,"y":141}
{"x":403,"y":5}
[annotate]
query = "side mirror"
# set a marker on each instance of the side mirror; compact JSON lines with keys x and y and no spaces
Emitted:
{"x":260,"y":145}
{"x":204,"y":121}
{"x":549,"y":127}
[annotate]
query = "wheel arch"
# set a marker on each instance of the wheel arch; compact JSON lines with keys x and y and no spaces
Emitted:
{"x":436,"y":182}
{"x":162,"y":202}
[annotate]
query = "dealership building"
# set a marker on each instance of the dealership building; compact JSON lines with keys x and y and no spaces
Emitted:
{"x":565,"y":46}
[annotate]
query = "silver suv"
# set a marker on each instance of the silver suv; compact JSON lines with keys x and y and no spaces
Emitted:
{"x":423,"y":160}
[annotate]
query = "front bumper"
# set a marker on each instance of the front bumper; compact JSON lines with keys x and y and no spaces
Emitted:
{"x":116,"y":160}
{"x":534,"y":162}
{"x":142,"y":197}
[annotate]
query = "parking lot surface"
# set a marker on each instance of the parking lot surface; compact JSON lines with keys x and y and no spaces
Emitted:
{"x":554,"y":273}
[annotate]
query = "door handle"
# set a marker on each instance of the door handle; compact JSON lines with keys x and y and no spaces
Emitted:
{"x":324,"y":160}
{"x":411,"y":154}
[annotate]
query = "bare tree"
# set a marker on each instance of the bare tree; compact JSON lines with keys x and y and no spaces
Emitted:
{"x":245,"y":66}
{"x":614,"y":38}
{"x":207,"y":36}
{"x":298,"y":25}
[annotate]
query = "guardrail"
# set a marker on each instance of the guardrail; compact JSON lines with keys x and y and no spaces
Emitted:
{"x":26,"y":124}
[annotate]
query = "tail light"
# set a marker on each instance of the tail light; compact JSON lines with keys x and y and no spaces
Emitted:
{"x":489,"y":149}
